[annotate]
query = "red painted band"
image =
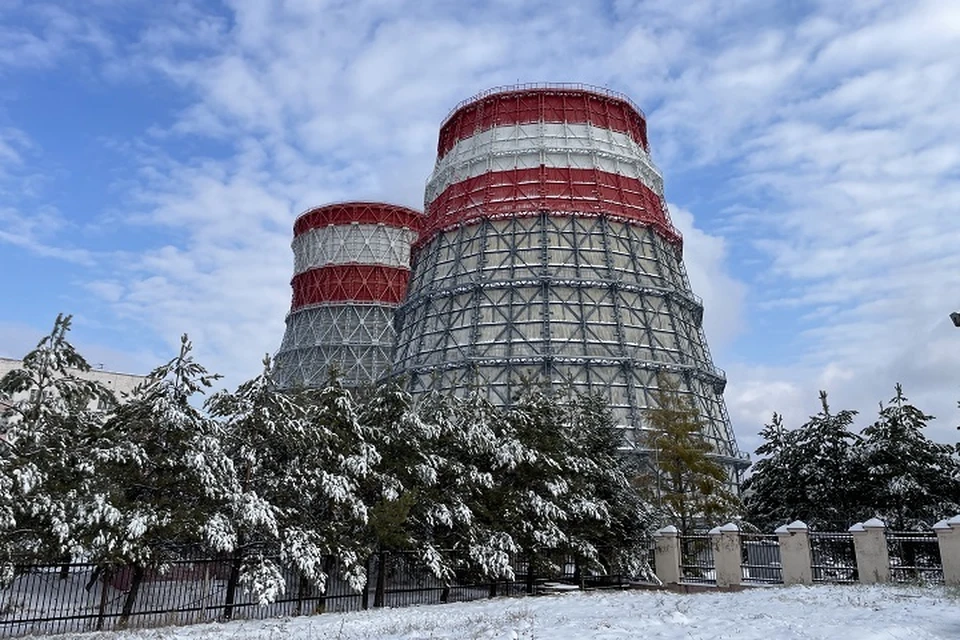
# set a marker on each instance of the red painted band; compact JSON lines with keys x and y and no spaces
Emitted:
{"x":350,"y":283}
{"x":526,"y":192}
{"x":359,"y":212}
{"x":542,"y":105}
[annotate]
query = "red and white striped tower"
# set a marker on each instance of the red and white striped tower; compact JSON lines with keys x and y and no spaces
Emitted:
{"x":351,"y":267}
{"x":547,"y":253}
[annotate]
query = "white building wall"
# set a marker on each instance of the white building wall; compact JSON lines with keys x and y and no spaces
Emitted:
{"x":120,"y":383}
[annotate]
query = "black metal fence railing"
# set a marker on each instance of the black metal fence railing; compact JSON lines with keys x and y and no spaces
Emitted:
{"x":651,"y":555}
{"x":833,"y":558}
{"x":914,"y":557}
{"x":760,"y":558}
{"x":696,"y":559}
{"x":47,"y":599}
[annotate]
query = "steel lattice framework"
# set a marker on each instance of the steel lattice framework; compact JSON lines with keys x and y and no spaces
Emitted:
{"x":351,"y":267}
{"x":547,"y":253}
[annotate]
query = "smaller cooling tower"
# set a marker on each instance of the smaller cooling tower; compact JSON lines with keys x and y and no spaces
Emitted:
{"x":351,"y":267}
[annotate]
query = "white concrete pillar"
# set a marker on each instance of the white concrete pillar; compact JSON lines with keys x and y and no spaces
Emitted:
{"x":667,"y":555}
{"x":948,"y":535}
{"x":870,"y":545}
{"x":727,"y":560}
{"x":795,"y":553}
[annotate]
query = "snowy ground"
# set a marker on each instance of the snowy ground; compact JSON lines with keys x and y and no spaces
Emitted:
{"x":792,"y":613}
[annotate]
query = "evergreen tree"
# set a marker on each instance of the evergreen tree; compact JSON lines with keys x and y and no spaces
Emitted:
{"x":911,"y":481}
{"x":690,"y":488}
{"x":472,"y":442}
{"x":166,"y":477}
{"x":773,"y":487}
{"x":610,"y":521}
{"x":299,"y":458}
{"x":560,"y":486}
{"x":810,"y":474}
{"x":52,"y":431}
{"x":333,"y":457}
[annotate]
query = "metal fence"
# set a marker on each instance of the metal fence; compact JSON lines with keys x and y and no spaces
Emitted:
{"x":914,"y":557}
{"x":60,"y":598}
{"x":696,"y":559}
{"x":833,"y":558}
{"x":760,"y":558}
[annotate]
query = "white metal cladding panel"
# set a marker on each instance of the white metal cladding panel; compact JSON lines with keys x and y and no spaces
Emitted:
{"x":552,"y":145}
{"x":338,"y":325}
{"x":358,"y":243}
{"x":309,"y":367}
{"x":576,"y":248}
{"x":356,"y":339}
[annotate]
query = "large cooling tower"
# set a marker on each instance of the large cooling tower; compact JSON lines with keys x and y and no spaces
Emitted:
{"x":351,"y":266}
{"x":548,"y":254}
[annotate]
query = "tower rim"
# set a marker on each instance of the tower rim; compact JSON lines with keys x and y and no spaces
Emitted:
{"x":357,"y":211}
{"x":512,"y":105}
{"x":572,"y":88}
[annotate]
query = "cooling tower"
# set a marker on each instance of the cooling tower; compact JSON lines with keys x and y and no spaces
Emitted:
{"x":547,"y":254}
{"x":351,"y":267}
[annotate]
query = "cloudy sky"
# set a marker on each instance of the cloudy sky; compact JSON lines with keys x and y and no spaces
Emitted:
{"x":153,"y":156}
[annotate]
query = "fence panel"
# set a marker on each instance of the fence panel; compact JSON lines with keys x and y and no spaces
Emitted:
{"x":51,"y":598}
{"x":760,"y":558}
{"x":696,"y":559}
{"x":915,"y":557}
{"x":833,"y":557}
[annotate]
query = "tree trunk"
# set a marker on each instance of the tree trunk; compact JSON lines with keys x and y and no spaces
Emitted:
{"x":232,"y":582}
{"x":102,"y":611}
{"x":380,"y":595}
{"x":365,"y":596}
{"x":328,"y":567}
{"x":130,"y":600}
{"x":65,"y":567}
{"x":303,"y":590}
{"x":530,"y":574}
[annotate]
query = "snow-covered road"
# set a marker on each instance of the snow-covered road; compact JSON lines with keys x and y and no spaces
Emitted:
{"x":793,"y":613}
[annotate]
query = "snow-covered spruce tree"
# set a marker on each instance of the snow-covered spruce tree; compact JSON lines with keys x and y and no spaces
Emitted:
{"x":559,"y":486}
{"x":299,"y":459}
{"x":689,"y":488}
{"x":408,"y":506}
{"x":773,"y":488}
{"x":52,"y":433}
{"x":910,"y":481}
{"x":527,"y":500}
{"x":472,"y":442}
{"x":610,"y":520}
{"x":168,"y":478}
{"x":815,"y":475}
{"x":434,"y":473}
{"x":330,"y":459}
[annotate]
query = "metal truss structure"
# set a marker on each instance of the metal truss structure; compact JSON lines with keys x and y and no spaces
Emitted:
{"x":547,"y":253}
{"x":351,"y":267}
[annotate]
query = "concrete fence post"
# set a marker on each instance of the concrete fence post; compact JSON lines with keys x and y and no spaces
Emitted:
{"x":948,"y":536}
{"x":795,"y":553}
{"x":870,"y":545}
{"x":667,"y":555}
{"x":727,"y":559}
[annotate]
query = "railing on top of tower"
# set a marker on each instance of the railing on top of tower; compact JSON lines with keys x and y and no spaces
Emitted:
{"x":561,"y":86}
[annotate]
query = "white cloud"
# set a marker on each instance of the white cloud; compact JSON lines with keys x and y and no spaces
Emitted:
{"x":705,"y":257}
{"x":833,"y":133}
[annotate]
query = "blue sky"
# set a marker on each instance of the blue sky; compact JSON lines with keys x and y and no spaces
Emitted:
{"x":153,"y":157}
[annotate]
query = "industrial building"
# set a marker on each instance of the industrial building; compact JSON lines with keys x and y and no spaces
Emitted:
{"x":545,"y":253}
{"x":121,"y":384}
